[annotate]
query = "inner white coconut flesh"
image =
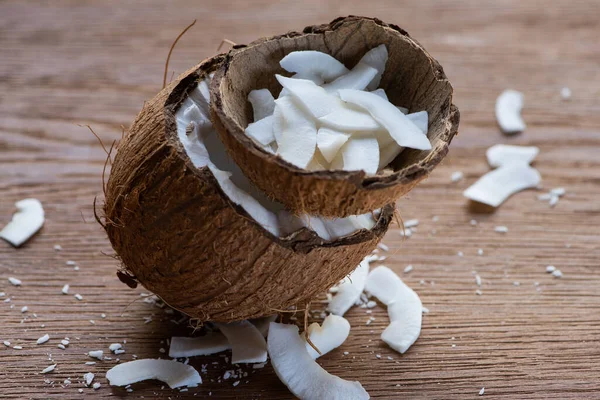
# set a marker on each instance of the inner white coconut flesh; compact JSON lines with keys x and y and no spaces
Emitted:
{"x":330,"y":118}
{"x":204,"y":148}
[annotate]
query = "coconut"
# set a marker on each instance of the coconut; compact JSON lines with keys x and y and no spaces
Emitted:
{"x":190,"y":227}
{"x":412,"y":78}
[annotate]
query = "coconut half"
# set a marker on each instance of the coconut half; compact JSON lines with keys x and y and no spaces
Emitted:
{"x":412,"y":78}
{"x":298,"y":371}
{"x":190,"y":227}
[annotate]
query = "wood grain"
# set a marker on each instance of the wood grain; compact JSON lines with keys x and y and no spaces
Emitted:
{"x":65,"y":63}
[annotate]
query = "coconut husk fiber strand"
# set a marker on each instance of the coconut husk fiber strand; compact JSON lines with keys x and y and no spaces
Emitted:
{"x":412,"y":79}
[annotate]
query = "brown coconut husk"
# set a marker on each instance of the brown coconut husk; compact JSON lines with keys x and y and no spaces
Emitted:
{"x":182,"y":238}
{"x":412,"y":79}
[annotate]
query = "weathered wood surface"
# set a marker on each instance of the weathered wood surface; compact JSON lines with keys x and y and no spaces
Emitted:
{"x":64,"y":63}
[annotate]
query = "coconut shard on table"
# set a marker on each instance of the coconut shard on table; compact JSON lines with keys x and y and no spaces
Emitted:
{"x":190,"y":212}
{"x":412,"y":79}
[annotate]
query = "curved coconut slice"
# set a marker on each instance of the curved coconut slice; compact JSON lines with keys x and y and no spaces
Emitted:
{"x":247,"y":343}
{"x":498,"y":185}
{"x":299,"y":138}
{"x":192,"y":228}
{"x":420,"y":120}
{"x":261,"y":131}
{"x":312,"y":97}
{"x":317,"y":80}
{"x":313,"y":63}
{"x":400,"y":127}
{"x":348,"y":119}
{"x":278,"y":123}
{"x":297,"y":370}
{"x":376,"y":58}
{"x":319,"y":192}
{"x":503,"y":154}
{"x":211,"y":343}
{"x":263,"y":103}
{"x":349,"y":291}
{"x":508,"y":111}
{"x":330,"y":335}
{"x":172,"y":373}
{"x":358,"y":78}
{"x":361,"y":152}
{"x":404,"y":308}
{"x":28,"y":219}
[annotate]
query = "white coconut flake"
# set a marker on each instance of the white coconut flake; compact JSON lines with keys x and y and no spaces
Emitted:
{"x":28,"y":219}
{"x":172,"y":373}
{"x":456,"y":176}
{"x":96,"y":354}
{"x":14,"y":281}
{"x":350,"y":289}
{"x":211,"y":343}
{"x":557,"y":273}
{"x":313,"y":98}
{"x":299,"y":137}
{"x":358,"y":78}
{"x":96,"y":385}
{"x":553,"y":200}
{"x":329,"y":142}
{"x":482,"y":391}
{"x":501,"y":229}
{"x":78,"y":297}
{"x":381,"y":93}
{"x":399,"y":126}
{"x":408,"y":269}
{"x":559,"y":191}
{"x":330,"y":335}
{"x":420,"y":119}
{"x":261,"y":131}
{"x":24,"y":309}
{"x":360,"y":153}
{"x":550,"y":268}
{"x":49,"y":369}
{"x":301,"y":374}
{"x":347,"y":119}
{"x":262,"y":324}
{"x":565,"y":93}
{"x":404,"y":308}
{"x":508,"y":111}
{"x":88,"y":378}
{"x":502,"y":154}
{"x":313,"y":63}
{"x":411,"y":223}
{"x":496,"y":186}
{"x":115,"y":346}
{"x":247,"y":343}
{"x":43,"y":339}
{"x":65,"y":289}
{"x":377,"y":58}
{"x":263,"y":103}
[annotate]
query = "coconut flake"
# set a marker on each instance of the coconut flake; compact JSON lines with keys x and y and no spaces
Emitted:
{"x":263,"y":103}
{"x":377,"y":58}
{"x":49,"y":369}
{"x":313,"y":98}
{"x":299,"y":137}
{"x":211,"y":343}
{"x":301,"y":374}
{"x":43,"y":339}
{"x":330,"y":335}
{"x":565,"y":93}
{"x":313,"y":63}
{"x":349,"y":291}
{"x":399,"y":126}
{"x":411,"y":223}
{"x":361,"y":152}
{"x":28,"y":219}
{"x":115,"y":346}
{"x":358,"y":78}
{"x":65,"y":289}
{"x":344,"y":118}
{"x":261,"y":131}
{"x":508,"y":111}
{"x":14,"y":281}
{"x":456,"y":176}
{"x":172,"y":373}
{"x":496,"y":186}
{"x":502,"y":154}
{"x":88,"y":378}
{"x":96,"y":354}
{"x":329,"y":142}
{"x":420,"y":119}
{"x":247,"y":343}
{"x":262,"y":324}
{"x":381,"y":93}
{"x":404,"y":308}
{"x":501,"y":229}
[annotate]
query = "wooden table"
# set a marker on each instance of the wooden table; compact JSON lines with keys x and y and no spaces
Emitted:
{"x":528,"y":336}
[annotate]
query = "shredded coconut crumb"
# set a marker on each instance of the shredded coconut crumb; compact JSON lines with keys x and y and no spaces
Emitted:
{"x":501,"y":229}
{"x":408,"y":268}
{"x":15,"y":281}
{"x":456,"y":176}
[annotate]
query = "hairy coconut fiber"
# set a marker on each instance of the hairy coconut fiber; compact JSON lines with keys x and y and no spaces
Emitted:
{"x":183,"y":239}
{"x":412,"y":79}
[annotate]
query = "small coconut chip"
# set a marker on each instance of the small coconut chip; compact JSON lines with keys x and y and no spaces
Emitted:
{"x":14,"y":281}
{"x":456,"y":176}
{"x":211,"y":343}
{"x":565,"y":93}
{"x":550,"y":268}
{"x":557,"y":273}
{"x":96,"y":385}
{"x":115,"y":346}
{"x":508,"y":111}
{"x":43,"y":339}
{"x":330,"y":335}
{"x":49,"y":369}
{"x":96,"y":354}
{"x":502,"y":154}
{"x":88,"y":378}
{"x":501,"y":229}
{"x":299,"y":371}
{"x":498,"y":185}
{"x":172,"y":373}
{"x":24,"y":309}
{"x":404,"y":308}
{"x":411,"y":223}
{"x":28,"y":219}
{"x":482,"y":391}
{"x":349,"y":291}
{"x":78,"y":297}
{"x":247,"y":343}
{"x":65,"y":289}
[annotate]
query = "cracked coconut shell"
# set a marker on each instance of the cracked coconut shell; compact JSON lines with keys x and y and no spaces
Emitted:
{"x":412,"y":79}
{"x":182,"y":238}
